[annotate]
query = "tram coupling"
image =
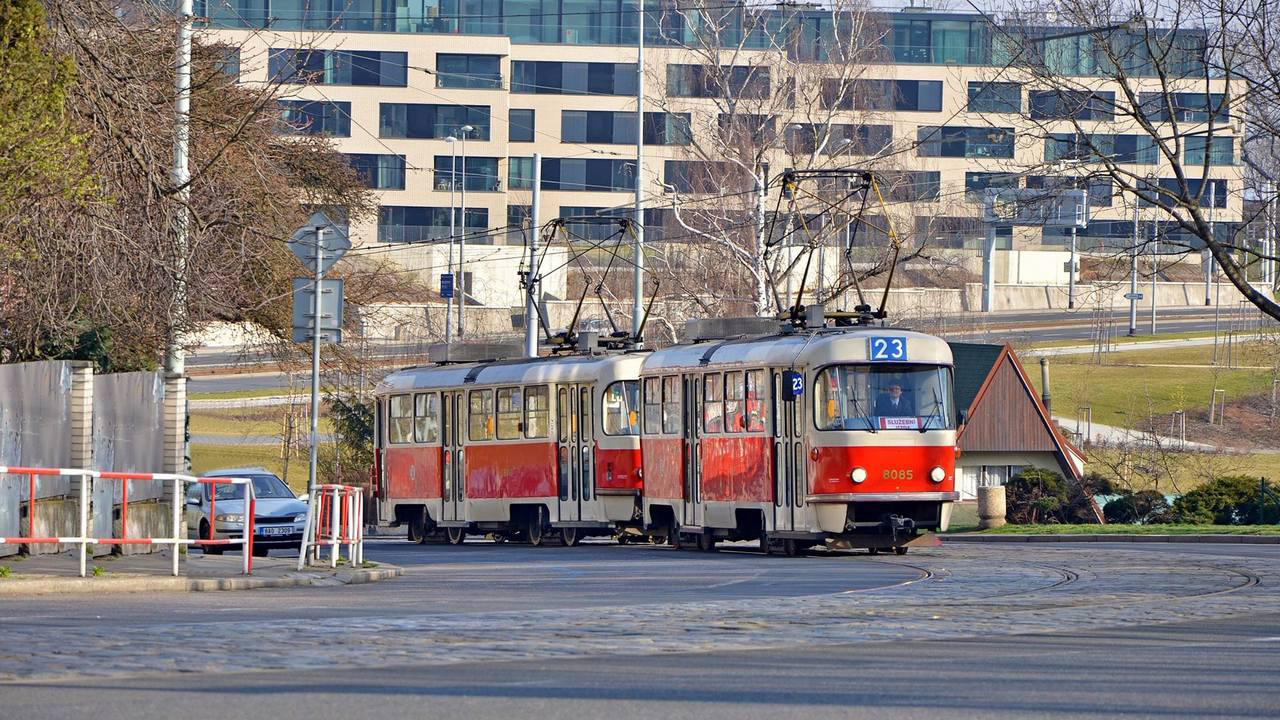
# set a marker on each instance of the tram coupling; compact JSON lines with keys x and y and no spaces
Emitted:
{"x":900,"y":526}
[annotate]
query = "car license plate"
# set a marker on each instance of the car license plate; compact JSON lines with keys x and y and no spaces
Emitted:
{"x":275,"y":530}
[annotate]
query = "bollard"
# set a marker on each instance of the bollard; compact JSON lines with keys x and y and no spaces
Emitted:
{"x":991,"y":508}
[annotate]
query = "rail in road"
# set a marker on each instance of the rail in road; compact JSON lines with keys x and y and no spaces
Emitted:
{"x":486,"y":603}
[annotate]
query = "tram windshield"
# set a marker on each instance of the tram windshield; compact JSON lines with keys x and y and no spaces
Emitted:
{"x":883,"y":396}
{"x":622,"y":408}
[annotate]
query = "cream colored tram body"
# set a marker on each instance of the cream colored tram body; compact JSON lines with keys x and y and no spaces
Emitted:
{"x":843,"y":436}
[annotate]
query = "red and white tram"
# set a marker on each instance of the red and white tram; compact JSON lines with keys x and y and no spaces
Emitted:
{"x":839,"y":435}
{"x":517,"y":448}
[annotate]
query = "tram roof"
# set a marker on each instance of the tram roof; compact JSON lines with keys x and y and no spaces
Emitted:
{"x":516,"y":371}
{"x":801,"y":349}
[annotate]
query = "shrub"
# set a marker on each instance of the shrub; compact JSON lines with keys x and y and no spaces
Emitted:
{"x":1143,"y":507}
{"x":1224,"y":501}
{"x":1036,"y":496}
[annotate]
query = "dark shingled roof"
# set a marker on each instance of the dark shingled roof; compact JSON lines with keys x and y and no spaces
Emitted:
{"x":973,"y":362}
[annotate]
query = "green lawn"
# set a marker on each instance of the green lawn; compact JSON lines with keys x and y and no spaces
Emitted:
{"x":1123,"y":388}
{"x":267,"y":420}
{"x":238,"y":394}
{"x":1135,"y":530}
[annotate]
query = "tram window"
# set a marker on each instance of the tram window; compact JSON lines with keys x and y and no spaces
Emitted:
{"x":401,"y":419}
{"x":621,"y":411}
{"x":671,"y":405}
{"x":510,"y":410}
{"x":480,"y":415}
{"x":712,"y":403}
{"x":756,"y":394}
{"x":536,"y":411}
{"x":733,"y":390}
{"x":653,"y":405}
{"x":883,"y":396}
{"x":426,"y":418}
{"x":562,"y":416}
{"x":584,"y":408}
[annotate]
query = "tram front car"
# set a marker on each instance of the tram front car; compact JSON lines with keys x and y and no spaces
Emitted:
{"x":882,"y":436}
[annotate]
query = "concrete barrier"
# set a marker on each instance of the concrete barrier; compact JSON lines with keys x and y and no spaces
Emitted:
{"x":991,"y":507}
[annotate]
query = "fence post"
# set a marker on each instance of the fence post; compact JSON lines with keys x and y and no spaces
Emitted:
{"x":84,"y":519}
{"x":178,"y":499}
{"x":333,"y":538}
{"x":307,"y":528}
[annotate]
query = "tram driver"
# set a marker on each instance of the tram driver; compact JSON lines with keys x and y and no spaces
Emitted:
{"x":892,"y":403}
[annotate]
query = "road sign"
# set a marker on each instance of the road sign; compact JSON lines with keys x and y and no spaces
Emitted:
{"x":1133,"y":296}
{"x":334,"y":242}
{"x":331,"y":306}
{"x":446,"y":285}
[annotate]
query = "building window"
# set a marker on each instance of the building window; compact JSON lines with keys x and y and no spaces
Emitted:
{"x":667,"y":129}
{"x":883,"y":95}
{"x":479,"y":173}
{"x":1222,"y":150}
{"x":938,"y":41}
{"x":1072,"y":104}
{"x":1121,"y":149}
{"x":1187,"y":107}
{"x":995,"y":97}
{"x":317,"y":117}
{"x":588,"y":174}
{"x":520,"y":173}
{"x":1215,"y":195}
{"x":702,"y":176}
{"x":839,"y":139}
{"x":1100,"y":190}
{"x":965,"y":142}
{"x":519,"y":125}
{"x":728,"y":81}
{"x":408,"y":223}
{"x":912,"y":186}
{"x":422,"y":121}
{"x":337,"y":67}
{"x":379,"y":172}
{"x":567,"y":78}
{"x":468,"y":71}
{"x":976,"y":182}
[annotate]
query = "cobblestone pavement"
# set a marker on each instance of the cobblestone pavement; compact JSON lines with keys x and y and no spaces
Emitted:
{"x":958,"y":591}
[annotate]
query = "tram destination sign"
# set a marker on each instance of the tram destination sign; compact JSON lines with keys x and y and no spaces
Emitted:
{"x":887,"y":349}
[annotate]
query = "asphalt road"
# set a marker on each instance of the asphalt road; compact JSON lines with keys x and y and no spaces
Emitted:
{"x":485,"y":631}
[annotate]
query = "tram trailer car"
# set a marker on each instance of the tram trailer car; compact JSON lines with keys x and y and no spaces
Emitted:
{"x":518,"y":448}
{"x":843,"y":436}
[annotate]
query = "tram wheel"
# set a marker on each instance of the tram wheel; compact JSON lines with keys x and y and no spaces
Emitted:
{"x":417,"y":530}
{"x":570,"y":536}
{"x":456,"y":535}
{"x":673,"y":537}
{"x":534,"y":530}
{"x":792,"y":548}
{"x":765,"y":546}
{"x":873,"y":551}
{"x":707,"y":542}
{"x":900,"y":550}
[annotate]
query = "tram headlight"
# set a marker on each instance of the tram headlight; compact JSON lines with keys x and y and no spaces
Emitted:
{"x":937,"y":474}
{"x":858,"y":474}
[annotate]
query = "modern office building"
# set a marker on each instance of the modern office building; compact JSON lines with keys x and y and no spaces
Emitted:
{"x":393,"y":80}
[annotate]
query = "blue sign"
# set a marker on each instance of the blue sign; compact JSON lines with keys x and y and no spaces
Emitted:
{"x":792,"y":384}
{"x":887,"y":349}
{"x":446,"y":285}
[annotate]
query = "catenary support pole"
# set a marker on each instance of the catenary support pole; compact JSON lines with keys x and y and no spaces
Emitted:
{"x":1071,"y":272}
{"x":988,"y":269}
{"x":637,"y":301}
{"x":315,"y":360}
{"x":534,"y":289}
{"x":1133,"y":275}
{"x":180,"y":176}
{"x":459,"y":282}
{"x":448,"y":302}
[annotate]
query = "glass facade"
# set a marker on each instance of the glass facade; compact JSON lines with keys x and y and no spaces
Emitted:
{"x":316,"y":117}
{"x":520,"y":173}
{"x":729,"y":81}
{"x":1100,"y":190}
{"x":379,"y":172}
{"x":883,"y":95}
{"x":838,"y":138}
{"x":337,"y":67}
{"x":1185,"y":107}
{"x":1122,"y":149}
{"x":422,"y":121}
{"x":1061,"y":104}
{"x":520,"y":125}
{"x":588,"y":174}
{"x":976,"y":182}
{"x":411,"y":223}
{"x":1222,"y":150}
{"x":965,"y":142}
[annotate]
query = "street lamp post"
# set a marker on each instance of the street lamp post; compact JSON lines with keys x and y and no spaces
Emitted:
{"x":459,"y":284}
{"x":448,"y":302}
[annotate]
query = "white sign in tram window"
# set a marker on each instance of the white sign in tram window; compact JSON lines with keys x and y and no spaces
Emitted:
{"x":899,"y":423}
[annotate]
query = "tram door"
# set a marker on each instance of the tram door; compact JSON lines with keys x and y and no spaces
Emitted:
{"x":569,"y":452}
{"x":453,"y":461}
{"x":788,"y":458}
{"x":692,"y":495}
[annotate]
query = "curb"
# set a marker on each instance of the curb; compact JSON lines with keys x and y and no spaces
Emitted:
{"x":136,"y":584}
{"x":1011,"y":538}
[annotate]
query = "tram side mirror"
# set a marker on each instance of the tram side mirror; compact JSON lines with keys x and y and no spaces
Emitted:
{"x":792,"y":385}
{"x":961,"y":418}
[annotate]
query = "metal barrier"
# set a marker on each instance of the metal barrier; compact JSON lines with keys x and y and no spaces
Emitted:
{"x":245,"y":541}
{"x":335,"y":517}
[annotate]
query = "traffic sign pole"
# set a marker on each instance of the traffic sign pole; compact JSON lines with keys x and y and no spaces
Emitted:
{"x":315,"y":363}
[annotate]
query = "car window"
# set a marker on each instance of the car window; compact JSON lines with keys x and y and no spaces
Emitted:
{"x":264,"y":486}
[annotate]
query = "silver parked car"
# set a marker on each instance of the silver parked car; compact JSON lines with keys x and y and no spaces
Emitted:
{"x":278,"y":520}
